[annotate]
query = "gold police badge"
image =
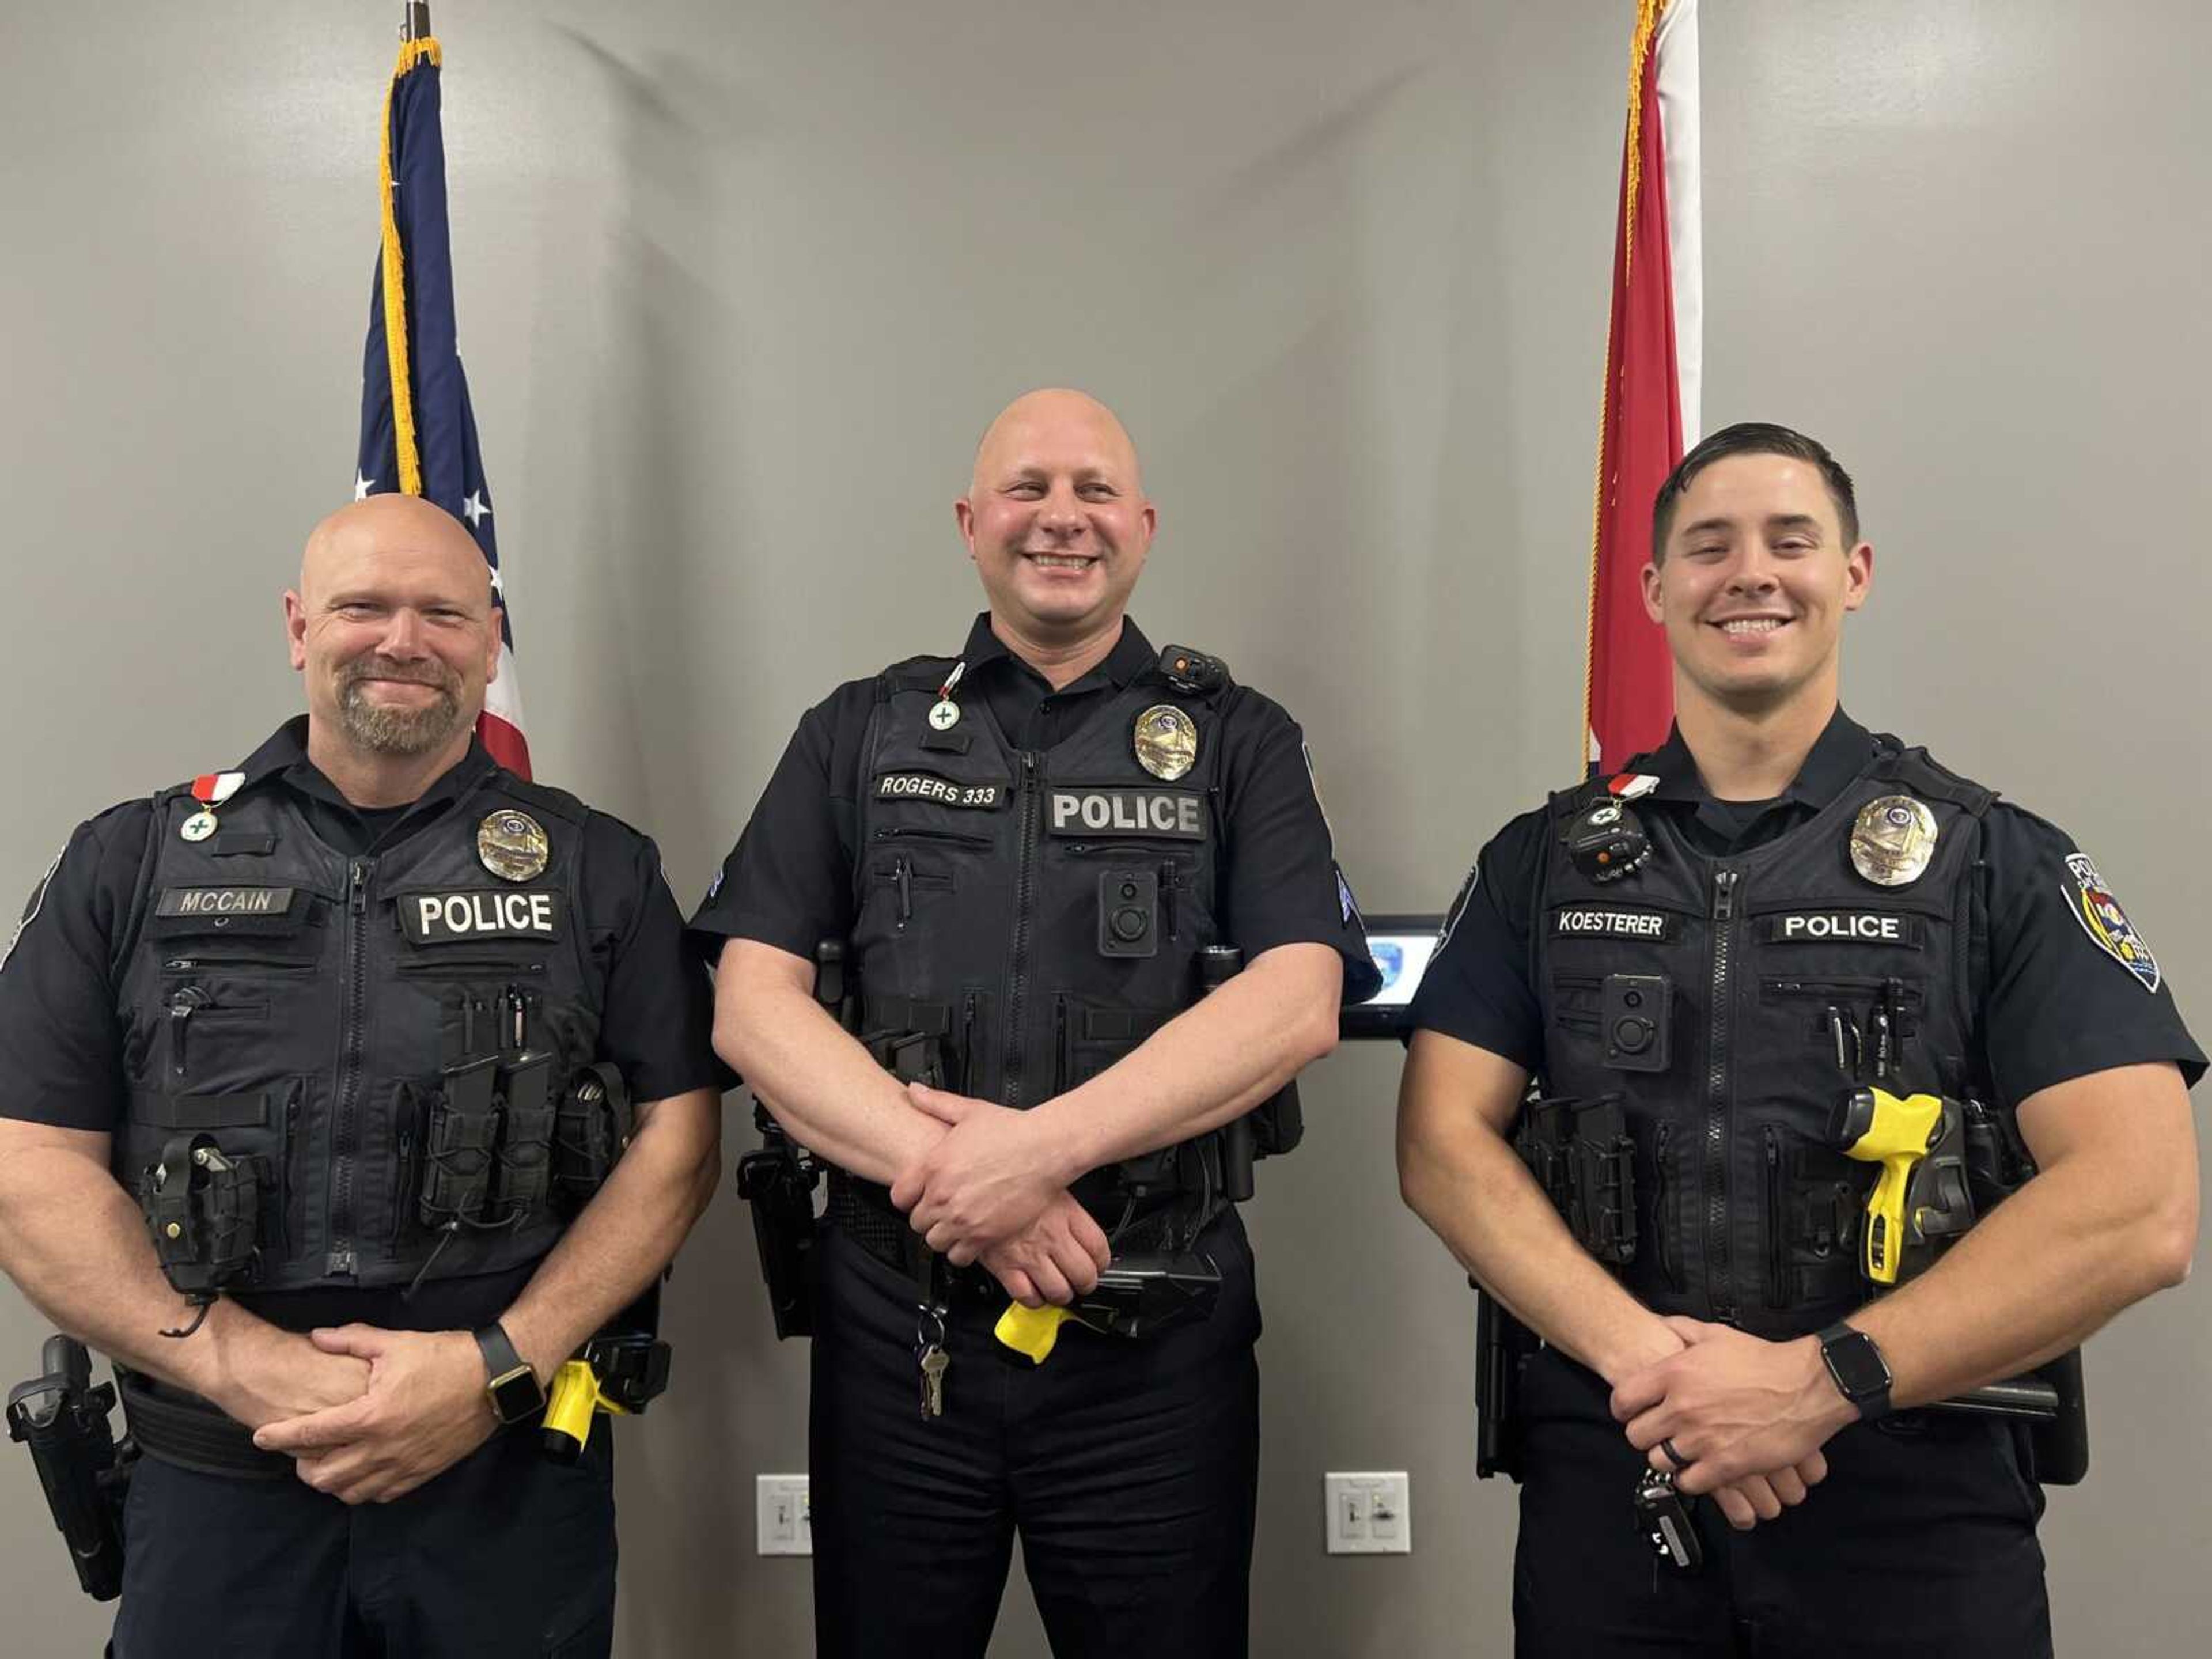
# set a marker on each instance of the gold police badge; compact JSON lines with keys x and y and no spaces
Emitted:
{"x":1892,"y":840}
{"x":511,"y":845}
{"x":1166,"y":740}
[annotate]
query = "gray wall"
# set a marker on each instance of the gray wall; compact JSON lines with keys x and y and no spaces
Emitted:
{"x":739,"y":286}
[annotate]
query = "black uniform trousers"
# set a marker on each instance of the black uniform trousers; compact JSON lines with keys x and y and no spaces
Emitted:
{"x":1130,"y":1468}
{"x":1922,"y":1540}
{"x":507,"y":1555}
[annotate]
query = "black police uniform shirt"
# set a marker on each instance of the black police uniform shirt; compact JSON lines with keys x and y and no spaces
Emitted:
{"x":61,"y":1048}
{"x":2057,"y":1004}
{"x":789,"y":882}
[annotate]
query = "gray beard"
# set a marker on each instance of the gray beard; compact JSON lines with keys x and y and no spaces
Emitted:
{"x":386,"y":730}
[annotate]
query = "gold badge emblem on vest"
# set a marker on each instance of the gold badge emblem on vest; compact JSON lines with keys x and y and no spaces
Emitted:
{"x":1166,"y":740}
{"x":1892,"y":840}
{"x":512,"y":846}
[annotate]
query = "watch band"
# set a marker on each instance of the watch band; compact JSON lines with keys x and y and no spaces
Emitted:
{"x":510,"y":1385}
{"x":1856,"y":1367}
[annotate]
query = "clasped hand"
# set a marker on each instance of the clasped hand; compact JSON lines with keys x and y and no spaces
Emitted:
{"x":423,"y":1410}
{"x":1750,"y":1417}
{"x":987,"y":1192}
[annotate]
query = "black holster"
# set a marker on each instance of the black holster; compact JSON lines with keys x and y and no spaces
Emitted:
{"x":631,"y":1361}
{"x":1502,"y":1347}
{"x":779,"y":1182}
{"x":1582,"y":1157}
{"x":62,"y":1419}
{"x":592,"y":1129}
{"x":203,"y":1209}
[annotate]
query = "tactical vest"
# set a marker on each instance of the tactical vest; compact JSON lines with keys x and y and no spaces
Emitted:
{"x":1744,"y":1212}
{"x":1040,"y":912}
{"x":362,"y":1037}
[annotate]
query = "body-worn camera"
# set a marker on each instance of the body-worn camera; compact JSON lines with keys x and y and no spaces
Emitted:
{"x":1129,"y":913}
{"x":1639,"y":1012}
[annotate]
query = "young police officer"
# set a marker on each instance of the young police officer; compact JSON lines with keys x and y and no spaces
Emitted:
{"x":1030,"y":848}
{"x":1774,"y":912}
{"x":317,"y":1021}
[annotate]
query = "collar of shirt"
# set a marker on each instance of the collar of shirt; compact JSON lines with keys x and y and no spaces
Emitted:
{"x":1031,"y":713}
{"x":1839,"y":755}
{"x":284,"y":757}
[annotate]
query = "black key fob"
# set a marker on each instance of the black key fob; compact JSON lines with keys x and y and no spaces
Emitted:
{"x":1606,"y":842}
{"x":1663,"y":1518}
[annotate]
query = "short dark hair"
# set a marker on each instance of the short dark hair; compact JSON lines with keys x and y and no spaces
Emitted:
{"x":1753,"y":438}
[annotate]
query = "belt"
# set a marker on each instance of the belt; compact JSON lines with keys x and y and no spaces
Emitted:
{"x":185,"y":1430}
{"x":862,"y":1211}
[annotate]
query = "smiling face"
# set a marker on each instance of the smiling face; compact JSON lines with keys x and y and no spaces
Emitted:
{"x":1755,"y":583}
{"x":393,"y":628}
{"x":1055,"y":517}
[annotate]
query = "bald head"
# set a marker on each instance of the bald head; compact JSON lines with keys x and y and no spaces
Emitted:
{"x":395,"y":523}
{"x":394,"y":629}
{"x":1056,"y":520}
{"x":1059,"y":414}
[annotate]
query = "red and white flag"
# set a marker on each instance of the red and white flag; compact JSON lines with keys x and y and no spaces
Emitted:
{"x":1653,"y":353}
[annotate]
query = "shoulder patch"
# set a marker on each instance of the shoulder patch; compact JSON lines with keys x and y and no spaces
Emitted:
{"x":1458,"y":906}
{"x":2105,"y":923}
{"x":31,"y":907}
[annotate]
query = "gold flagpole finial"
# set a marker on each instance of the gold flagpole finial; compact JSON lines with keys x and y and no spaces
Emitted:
{"x":415,"y":21}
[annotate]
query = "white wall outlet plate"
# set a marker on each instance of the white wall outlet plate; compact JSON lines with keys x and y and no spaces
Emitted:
{"x":1369,"y":1513}
{"x":784,"y":1515}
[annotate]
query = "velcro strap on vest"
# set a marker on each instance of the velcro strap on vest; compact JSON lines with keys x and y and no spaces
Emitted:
{"x":189,"y":1432}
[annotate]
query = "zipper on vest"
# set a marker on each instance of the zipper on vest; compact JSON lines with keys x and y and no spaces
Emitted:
{"x":1663,"y":1218}
{"x":1778,"y":1261}
{"x":968,"y":1002}
{"x":1167,"y":898}
{"x":902,"y":873}
{"x":295,"y":1205}
{"x":341,"y":1258}
{"x":913,"y":832}
{"x":1719,"y":1284}
{"x":1024,"y":897}
{"x":1063,"y":1065}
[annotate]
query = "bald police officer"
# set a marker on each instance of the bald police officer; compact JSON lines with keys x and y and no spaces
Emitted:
{"x":338,"y":1024}
{"x":1030,"y":845}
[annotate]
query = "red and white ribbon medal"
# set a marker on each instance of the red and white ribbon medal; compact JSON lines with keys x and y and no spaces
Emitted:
{"x":944,"y":713}
{"x":211,"y":790}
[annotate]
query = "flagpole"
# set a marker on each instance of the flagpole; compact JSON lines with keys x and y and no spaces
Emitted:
{"x":415,"y":21}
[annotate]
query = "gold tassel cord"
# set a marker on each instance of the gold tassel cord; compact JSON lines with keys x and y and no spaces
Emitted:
{"x":411,"y":52}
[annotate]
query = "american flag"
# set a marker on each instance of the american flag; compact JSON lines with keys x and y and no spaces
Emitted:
{"x":417,"y":432}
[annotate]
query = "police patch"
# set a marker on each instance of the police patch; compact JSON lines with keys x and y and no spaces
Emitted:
{"x":1614,"y":921}
{"x":1169,"y":814}
{"x":480,"y":913}
{"x":942,"y":792}
{"x":2105,"y":923}
{"x":31,"y":906}
{"x":1845,"y":926}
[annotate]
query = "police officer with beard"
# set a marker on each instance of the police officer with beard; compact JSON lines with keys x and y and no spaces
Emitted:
{"x":307,"y":1069}
{"x":1028,"y":847}
{"x":1703,"y":961}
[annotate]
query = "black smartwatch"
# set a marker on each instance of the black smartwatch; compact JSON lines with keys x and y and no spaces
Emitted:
{"x":511,"y":1386}
{"x":1861,"y":1374}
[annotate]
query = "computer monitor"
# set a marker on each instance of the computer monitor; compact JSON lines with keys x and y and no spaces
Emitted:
{"x":1402,"y":947}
